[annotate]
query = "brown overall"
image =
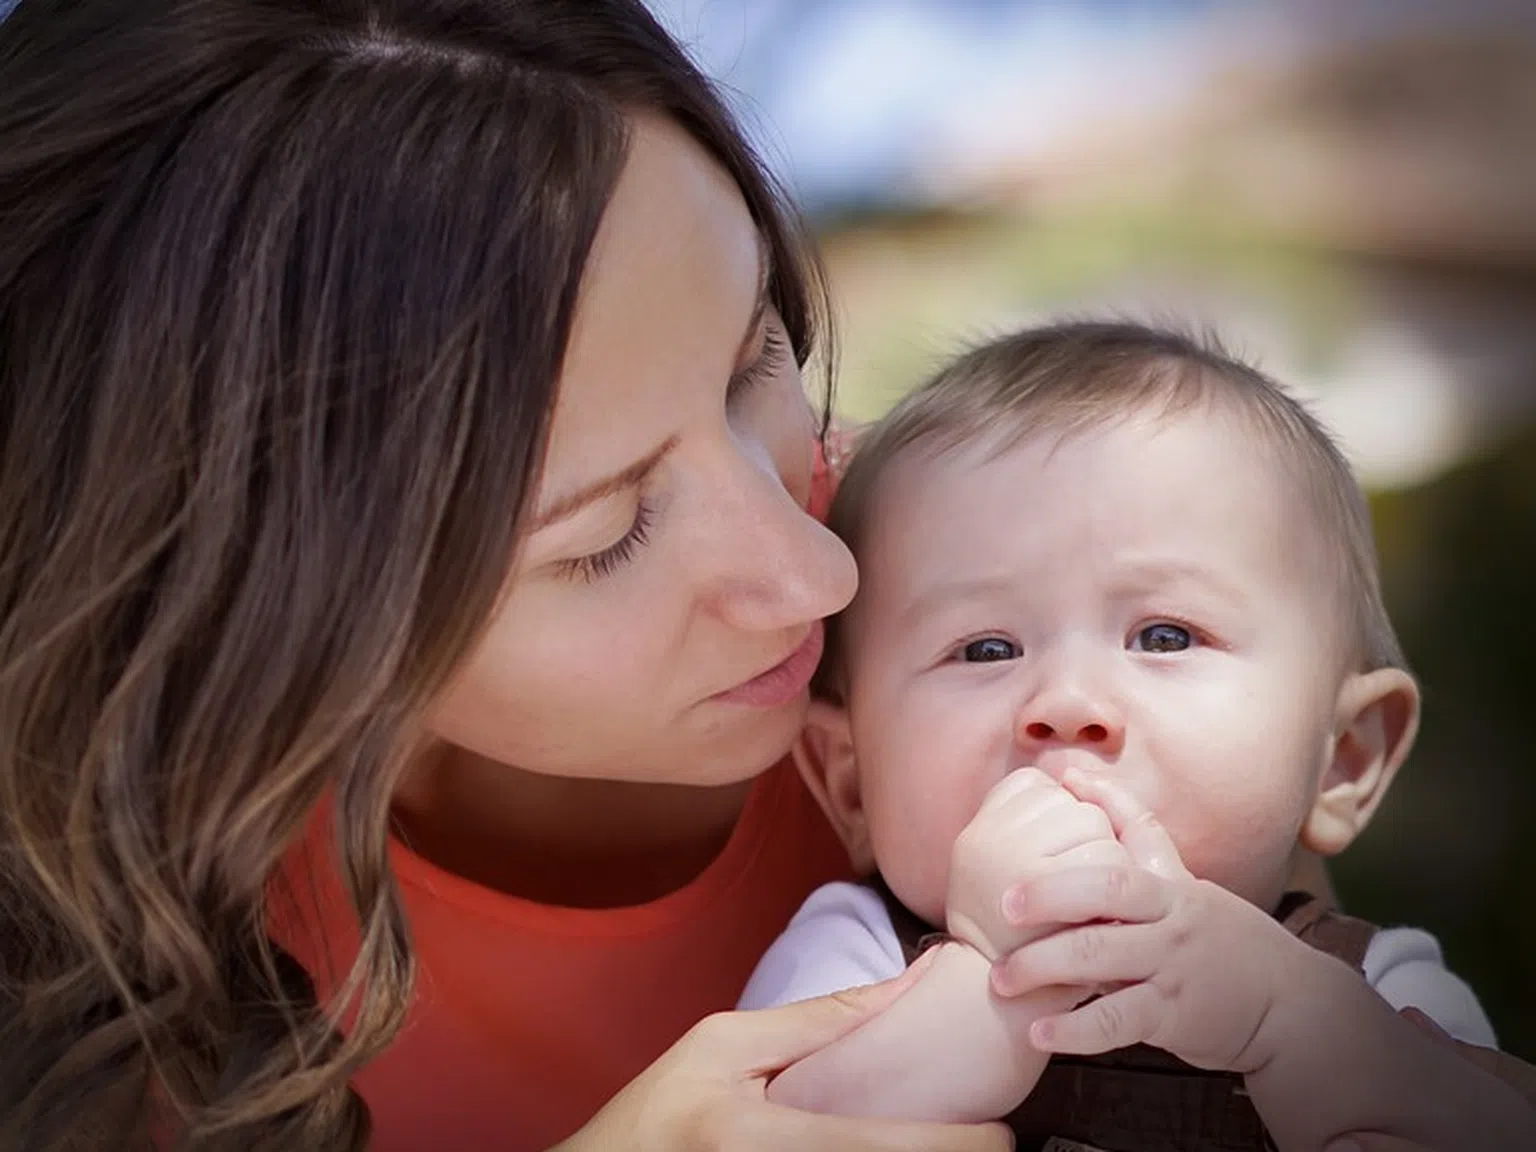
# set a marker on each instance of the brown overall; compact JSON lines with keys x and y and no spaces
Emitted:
{"x":1141,"y":1099}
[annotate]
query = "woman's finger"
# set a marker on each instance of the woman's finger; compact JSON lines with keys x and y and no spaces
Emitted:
{"x":1084,"y":894}
{"x":1141,"y":832}
{"x":765,"y":1040}
{"x":1117,"y":1020}
{"x":1093,"y":955}
{"x":774,"y":1127}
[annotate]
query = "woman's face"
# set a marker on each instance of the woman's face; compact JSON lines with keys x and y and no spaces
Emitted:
{"x":669,"y":562}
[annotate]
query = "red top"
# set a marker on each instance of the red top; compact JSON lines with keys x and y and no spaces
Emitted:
{"x":528,"y":1017}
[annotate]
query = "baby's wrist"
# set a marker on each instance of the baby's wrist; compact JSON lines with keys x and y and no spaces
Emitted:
{"x":1314,"y":1001}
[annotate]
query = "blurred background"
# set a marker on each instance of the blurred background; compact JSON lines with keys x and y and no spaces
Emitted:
{"x":1345,"y":190}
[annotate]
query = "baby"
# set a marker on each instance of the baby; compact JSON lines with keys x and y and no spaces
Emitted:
{"x":1119,"y":636}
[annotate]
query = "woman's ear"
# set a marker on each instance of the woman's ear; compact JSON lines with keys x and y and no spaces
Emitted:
{"x":1376,"y":720}
{"x":824,"y":755}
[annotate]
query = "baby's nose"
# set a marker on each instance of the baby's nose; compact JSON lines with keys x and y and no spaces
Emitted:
{"x":1070,"y":719}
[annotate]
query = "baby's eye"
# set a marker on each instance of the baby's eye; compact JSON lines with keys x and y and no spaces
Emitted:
{"x":1161,"y":638}
{"x":990,"y":649}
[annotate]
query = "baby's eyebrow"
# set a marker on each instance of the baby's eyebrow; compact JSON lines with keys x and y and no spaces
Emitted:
{"x":957,"y":590}
{"x":1140,"y":574}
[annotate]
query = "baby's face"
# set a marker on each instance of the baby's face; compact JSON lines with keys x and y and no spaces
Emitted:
{"x":1141,"y":600}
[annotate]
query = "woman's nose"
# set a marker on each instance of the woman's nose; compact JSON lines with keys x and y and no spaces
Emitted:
{"x":774,"y":566}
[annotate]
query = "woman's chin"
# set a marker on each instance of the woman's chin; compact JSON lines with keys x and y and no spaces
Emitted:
{"x":737,"y":743}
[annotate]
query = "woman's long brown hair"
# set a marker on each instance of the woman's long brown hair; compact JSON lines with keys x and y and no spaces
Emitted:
{"x":285,"y":286}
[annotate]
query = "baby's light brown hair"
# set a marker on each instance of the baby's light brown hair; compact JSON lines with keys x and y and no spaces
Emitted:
{"x":1067,"y":378}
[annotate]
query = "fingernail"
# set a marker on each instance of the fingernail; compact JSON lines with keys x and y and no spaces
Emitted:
{"x":1345,"y":1145}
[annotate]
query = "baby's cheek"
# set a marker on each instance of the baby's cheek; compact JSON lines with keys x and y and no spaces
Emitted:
{"x":913,"y":842}
{"x":1248,"y":856}
{"x":926,"y":770}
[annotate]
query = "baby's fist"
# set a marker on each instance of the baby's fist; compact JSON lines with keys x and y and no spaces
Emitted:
{"x":1028,"y":824}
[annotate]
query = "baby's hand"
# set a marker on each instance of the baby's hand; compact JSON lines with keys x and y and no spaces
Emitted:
{"x":1191,"y":968}
{"x":1027,"y":826}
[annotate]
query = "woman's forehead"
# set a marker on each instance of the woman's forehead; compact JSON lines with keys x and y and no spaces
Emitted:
{"x":666,"y":302}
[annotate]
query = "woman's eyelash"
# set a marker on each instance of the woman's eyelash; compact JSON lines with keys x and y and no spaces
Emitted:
{"x":769,"y":361}
{"x":604,"y":563}
{"x":616,"y":555}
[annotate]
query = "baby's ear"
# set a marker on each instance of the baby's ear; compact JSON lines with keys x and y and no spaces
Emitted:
{"x":1376,"y":720}
{"x":824,"y":755}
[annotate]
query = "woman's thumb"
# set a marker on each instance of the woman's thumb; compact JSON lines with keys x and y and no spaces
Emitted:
{"x":769,"y":1039}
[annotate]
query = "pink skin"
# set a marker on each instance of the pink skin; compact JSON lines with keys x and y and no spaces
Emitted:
{"x":1066,"y":550}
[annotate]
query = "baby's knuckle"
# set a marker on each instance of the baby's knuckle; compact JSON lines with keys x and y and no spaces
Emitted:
{"x":1117,"y":885}
{"x":1087,"y":945}
{"x":1182,"y":933}
{"x":1110,"y":1019}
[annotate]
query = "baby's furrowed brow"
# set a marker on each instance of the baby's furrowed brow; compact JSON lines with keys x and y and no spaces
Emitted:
{"x":961,"y":590}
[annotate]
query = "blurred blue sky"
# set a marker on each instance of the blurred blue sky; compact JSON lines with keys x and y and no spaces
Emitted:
{"x":860,"y":101}
{"x":850,"y":99}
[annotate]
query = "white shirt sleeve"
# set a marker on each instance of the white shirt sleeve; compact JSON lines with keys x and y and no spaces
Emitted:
{"x":1405,"y":966}
{"x":840,"y":938}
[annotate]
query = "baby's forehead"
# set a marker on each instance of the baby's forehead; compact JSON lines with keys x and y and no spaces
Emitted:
{"x":1073,"y":459}
{"x":1196,"y":480}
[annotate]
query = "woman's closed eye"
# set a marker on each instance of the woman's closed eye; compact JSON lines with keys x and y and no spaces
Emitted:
{"x":605,"y":562}
{"x":770,"y":358}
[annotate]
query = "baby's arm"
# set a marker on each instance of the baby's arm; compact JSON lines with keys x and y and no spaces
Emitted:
{"x":947,"y":1050}
{"x":940,"y":1052}
{"x":1335,"y":1059}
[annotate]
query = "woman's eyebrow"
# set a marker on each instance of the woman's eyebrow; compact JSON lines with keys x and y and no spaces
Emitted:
{"x":568,"y":505}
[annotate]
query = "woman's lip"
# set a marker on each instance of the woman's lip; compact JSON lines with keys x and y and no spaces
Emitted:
{"x":785,"y":680}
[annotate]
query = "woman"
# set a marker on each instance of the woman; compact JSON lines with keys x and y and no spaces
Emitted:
{"x":405,"y":453}
{"x":408,"y":588}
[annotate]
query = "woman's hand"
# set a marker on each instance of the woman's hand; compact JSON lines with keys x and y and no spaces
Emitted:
{"x":708,"y":1091}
